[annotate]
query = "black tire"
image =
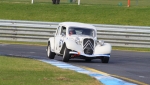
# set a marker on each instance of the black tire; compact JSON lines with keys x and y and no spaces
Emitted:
{"x":88,"y":60}
{"x":66,"y":55}
{"x":105,"y":59}
{"x":50,"y":54}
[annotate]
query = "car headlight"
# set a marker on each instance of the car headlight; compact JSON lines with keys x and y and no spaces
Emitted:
{"x":100,"y":42}
{"x":77,"y":40}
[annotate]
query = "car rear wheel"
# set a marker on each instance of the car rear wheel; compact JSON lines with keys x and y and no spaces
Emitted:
{"x":66,"y":55}
{"x":105,"y":59}
{"x":50,"y":54}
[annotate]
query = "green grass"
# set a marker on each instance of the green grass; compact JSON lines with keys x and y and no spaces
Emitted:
{"x":131,"y":49}
{"x":83,"y":2}
{"x":96,"y":14}
{"x":22,"y":71}
{"x":21,"y":42}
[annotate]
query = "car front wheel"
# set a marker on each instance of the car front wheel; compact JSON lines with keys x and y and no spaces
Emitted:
{"x":66,"y":55}
{"x":105,"y":59}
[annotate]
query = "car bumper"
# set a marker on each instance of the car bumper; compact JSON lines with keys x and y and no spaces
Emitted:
{"x":93,"y":55}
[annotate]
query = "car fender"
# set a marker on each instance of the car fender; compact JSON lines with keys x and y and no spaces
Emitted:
{"x":104,"y":49}
{"x":52,"y":43}
{"x":70,"y":44}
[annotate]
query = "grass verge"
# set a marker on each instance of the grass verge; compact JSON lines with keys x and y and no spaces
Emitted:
{"x":131,"y":49}
{"x":22,"y":71}
{"x":24,"y":43}
{"x":96,"y":14}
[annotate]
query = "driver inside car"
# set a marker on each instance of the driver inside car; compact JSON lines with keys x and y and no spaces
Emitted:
{"x":71,"y":31}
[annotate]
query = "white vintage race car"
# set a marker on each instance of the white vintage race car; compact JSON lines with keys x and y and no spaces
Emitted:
{"x":77,"y":40}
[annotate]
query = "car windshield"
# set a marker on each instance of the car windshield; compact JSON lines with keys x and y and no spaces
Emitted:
{"x":81,"y":31}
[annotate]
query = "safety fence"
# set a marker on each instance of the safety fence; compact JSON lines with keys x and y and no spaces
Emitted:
{"x":36,"y":31}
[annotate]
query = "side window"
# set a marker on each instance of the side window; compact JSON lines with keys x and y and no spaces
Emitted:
{"x":63,"y":30}
{"x":57,"y":31}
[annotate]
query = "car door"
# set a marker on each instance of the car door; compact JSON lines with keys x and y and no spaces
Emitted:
{"x":57,"y":39}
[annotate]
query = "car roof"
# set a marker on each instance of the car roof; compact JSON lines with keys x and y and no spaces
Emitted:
{"x":77,"y":24}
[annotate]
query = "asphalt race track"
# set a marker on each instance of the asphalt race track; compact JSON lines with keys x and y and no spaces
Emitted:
{"x":132,"y":65}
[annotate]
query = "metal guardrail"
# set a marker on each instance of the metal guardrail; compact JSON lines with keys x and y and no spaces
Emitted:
{"x":35,"y":31}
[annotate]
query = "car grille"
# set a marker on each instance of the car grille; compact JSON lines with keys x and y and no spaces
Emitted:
{"x":88,"y":46}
